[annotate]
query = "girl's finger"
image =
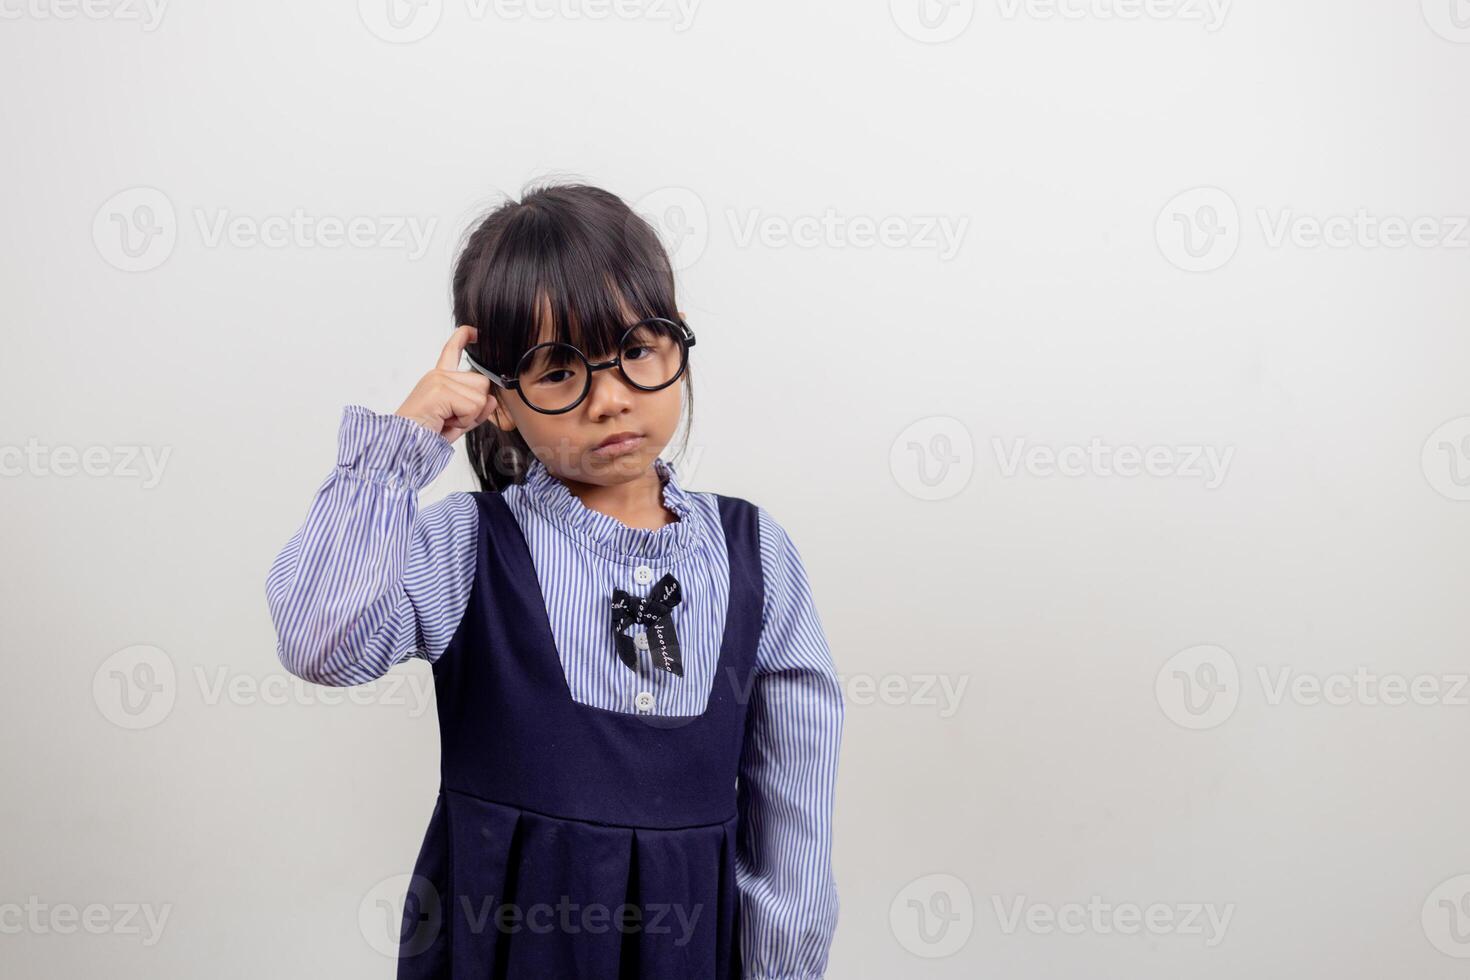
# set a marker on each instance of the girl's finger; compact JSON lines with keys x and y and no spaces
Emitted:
{"x":459,"y":392}
{"x":468,"y":405}
{"x":449,"y":356}
{"x":467,"y":380}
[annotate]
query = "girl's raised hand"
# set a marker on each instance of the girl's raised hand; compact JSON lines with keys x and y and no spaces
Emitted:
{"x":447,"y":400}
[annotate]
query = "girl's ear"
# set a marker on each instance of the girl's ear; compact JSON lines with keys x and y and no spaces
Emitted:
{"x":499,"y":415}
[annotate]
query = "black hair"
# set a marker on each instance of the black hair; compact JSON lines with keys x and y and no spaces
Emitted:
{"x":575,"y":250}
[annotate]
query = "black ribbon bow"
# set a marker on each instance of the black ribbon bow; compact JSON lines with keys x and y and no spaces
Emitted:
{"x":653,"y":611}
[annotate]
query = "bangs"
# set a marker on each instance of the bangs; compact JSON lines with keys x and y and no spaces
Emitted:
{"x":575,"y":271}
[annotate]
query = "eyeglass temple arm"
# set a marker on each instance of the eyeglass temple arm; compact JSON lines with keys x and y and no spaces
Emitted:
{"x":504,"y":382}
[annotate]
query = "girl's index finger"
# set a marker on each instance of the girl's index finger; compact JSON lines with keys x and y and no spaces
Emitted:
{"x":449,"y":356}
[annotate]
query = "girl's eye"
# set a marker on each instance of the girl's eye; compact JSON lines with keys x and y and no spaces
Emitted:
{"x":554,"y":378}
{"x":631,"y":354}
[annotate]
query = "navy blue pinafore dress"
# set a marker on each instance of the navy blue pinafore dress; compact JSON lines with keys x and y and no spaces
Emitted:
{"x":570,"y":842}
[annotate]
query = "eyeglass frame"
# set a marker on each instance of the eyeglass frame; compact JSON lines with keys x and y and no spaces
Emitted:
{"x":514,"y":383}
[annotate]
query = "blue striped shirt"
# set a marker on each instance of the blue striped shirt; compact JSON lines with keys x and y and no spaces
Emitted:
{"x":370,"y":579}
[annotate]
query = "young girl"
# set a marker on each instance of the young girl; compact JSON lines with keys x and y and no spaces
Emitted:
{"x":639,"y":720}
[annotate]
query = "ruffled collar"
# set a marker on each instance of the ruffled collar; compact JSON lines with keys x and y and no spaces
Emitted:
{"x":607,"y":535}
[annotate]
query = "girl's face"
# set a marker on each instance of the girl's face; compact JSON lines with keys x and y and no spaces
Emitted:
{"x":567,"y":443}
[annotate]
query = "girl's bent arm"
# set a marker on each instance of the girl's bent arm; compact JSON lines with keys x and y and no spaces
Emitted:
{"x":788,"y":774}
{"x":368,"y":580}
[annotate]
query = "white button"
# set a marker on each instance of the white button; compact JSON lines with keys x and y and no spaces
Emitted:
{"x":640,"y":640}
{"x":643,"y":574}
{"x":644,"y":700}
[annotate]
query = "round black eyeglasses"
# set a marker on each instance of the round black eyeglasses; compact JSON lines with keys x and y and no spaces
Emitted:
{"x":554,"y":377}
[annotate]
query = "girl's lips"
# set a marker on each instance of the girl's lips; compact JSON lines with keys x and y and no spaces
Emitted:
{"x":619,"y":447}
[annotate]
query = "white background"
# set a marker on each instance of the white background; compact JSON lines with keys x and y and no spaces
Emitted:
{"x":842,"y":385}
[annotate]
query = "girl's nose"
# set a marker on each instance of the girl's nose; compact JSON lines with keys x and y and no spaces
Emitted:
{"x":610,"y":394}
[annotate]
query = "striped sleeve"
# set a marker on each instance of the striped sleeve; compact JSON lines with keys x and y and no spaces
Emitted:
{"x":788,"y":775}
{"x":368,"y":579}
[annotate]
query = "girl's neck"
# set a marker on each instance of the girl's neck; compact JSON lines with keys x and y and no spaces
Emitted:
{"x":638,"y":503}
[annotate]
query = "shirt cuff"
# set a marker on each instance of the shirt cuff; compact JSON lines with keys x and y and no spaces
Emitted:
{"x":390,"y":449}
